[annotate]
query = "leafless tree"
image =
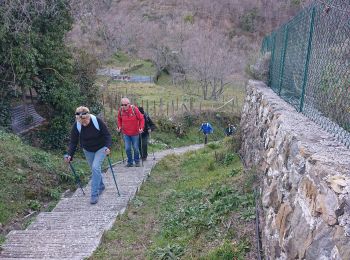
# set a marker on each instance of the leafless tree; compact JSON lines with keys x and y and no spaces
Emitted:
{"x":209,"y":59}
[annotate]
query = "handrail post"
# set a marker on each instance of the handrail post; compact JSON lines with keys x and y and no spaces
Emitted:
{"x":283,"y":57}
{"x":306,"y":68}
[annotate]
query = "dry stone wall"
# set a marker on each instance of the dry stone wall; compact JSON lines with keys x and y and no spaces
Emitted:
{"x":305,"y":179}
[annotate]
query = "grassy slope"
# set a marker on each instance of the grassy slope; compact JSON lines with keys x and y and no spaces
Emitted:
{"x":164,"y":88}
{"x":197,"y":206}
{"x":165,"y":138}
{"x":31,"y":180}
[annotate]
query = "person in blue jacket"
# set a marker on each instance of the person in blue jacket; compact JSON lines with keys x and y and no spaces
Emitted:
{"x":206,"y":129}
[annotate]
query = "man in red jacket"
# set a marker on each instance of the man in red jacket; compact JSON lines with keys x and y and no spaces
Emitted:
{"x":131,"y":124}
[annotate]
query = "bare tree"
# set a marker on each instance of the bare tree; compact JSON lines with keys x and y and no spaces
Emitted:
{"x":209,"y":60}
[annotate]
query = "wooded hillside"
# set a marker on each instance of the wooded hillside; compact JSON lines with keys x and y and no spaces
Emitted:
{"x":175,"y":33}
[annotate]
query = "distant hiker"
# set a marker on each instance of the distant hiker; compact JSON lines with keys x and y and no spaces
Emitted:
{"x":206,"y":129}
{"x":230,"y":130}
{"x":149,"y":127}
{"x":130,"y":123}
{"x":95,"y":139}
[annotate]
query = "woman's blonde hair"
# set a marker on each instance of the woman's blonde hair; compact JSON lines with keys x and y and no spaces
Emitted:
{"x":82,"y":109}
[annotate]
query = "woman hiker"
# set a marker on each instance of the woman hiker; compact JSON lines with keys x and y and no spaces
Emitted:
{"x":96,"y":141}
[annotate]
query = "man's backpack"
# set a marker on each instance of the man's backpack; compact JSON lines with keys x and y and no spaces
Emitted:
{"x":132,"y":108}
{"x":94,"y":121}
{"x":148,"y":123}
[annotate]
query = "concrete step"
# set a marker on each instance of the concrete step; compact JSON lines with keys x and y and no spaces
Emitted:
{"x":81,"y":220}
{"x":59,"y":244}
{"x":126,"y":191}
{"x":81,"y":204}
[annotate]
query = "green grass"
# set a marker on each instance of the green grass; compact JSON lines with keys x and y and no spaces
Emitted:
{"x":147,"y":69}
{"x":178,"y":132}
{"x":165,"y":90}
{"x":191,"y":207}
{"x":122,"y":60}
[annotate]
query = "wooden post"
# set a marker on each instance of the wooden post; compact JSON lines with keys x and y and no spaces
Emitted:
{"x":142,"y":102}
{"x":112,"y":101}
{"x":147,"y":108}
{"x":191,"y":104}
{"x":161,"y":106}
{"x":172,"y":107}
{"x":177,"y":104}
{"x":167,"y":108}
{"x":103,"y":105}
{"x":200,"y":107}
{"x":154,"y":108}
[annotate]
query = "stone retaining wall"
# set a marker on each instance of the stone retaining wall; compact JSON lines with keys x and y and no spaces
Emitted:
{"x":305,"y":179}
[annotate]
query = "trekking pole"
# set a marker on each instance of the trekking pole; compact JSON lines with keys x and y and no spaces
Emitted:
{"x":76,"y":177}
{"x":122,"y":141}
{"x":110,"y":165}
{"x":141,"y":153}
{"x":121,"y":136}
{"x":154,"y":158}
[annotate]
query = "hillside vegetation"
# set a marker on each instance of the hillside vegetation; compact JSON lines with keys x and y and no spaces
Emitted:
{"x":201,"y":39}
{"x":197,"y":206}
{"x":193,"y":49}
{"x":31,"y":180}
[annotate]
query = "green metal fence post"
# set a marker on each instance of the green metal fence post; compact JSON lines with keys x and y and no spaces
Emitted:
{"x":306,"y":68}
{"x":283,"y":57}
{"x":273,"y":37}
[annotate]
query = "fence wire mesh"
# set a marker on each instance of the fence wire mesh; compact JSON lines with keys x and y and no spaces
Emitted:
{"x":310,"y":64}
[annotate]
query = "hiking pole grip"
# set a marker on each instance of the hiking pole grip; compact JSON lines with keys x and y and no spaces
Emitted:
{"x":115,"y":181}
{"x":76,"y":177}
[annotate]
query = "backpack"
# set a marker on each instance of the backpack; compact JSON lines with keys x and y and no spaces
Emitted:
{"x":148,"y":123}
{"x":132,"y":108}
{"x":94,"y":121}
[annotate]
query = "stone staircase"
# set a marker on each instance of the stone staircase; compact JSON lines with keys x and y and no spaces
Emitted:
{"x":74,"y":228}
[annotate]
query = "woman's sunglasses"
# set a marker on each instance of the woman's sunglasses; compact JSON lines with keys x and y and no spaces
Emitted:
{"x":81,"y":113}
{"x":124,"y":105}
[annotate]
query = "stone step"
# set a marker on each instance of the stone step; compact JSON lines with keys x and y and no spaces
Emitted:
{"x":81,"y":220}
{"x":126,"y":191}
{"x":42,"y":258}
{"x":60,"y":244}
{"x":80,"y":204}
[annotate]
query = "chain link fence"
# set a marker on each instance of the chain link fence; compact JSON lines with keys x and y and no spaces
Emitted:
{"x":310,"y":64}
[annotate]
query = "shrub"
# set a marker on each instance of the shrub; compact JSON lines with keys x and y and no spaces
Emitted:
{"x":260,"y":70}
{"x":247,"y":21}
